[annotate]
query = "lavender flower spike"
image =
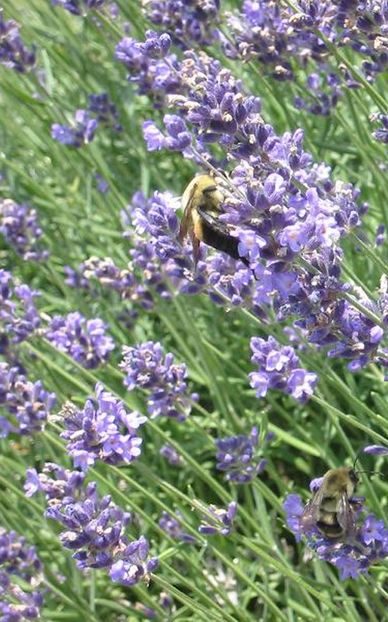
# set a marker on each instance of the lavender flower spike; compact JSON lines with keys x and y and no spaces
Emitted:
{"x":26,"y":404}
{"x":84,"y":340}
{"x":163,"y":380}
{"x":18,"y":560}
{"x":171,"y":525}
{"x":171,"y":455}
{"x":278,"y":368}
{"x":237,"y":457}
{"x":103,"y":430}
{"x":218,"y":520}
{"x":80,"y":133}
{"x":93,"y":527}
{"x":20,"y":228}
{"x":134,"y":564}
{"x":13,"y":52}
{"x":376,"y":450}
{"x":18,"y":315}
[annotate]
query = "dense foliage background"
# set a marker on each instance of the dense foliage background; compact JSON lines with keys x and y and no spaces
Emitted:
{"x":74,"y":231}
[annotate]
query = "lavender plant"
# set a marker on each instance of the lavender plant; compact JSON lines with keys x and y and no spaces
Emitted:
{"x":283,"y":103}
{"x":19,"y":560}
{"x":20,"y":228}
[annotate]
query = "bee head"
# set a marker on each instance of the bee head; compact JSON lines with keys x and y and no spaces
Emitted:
{"x":353,"y":476}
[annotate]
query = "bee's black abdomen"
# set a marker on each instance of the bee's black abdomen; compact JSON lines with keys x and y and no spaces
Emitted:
{"x":222,"y":242}
{"x":330,"y":530}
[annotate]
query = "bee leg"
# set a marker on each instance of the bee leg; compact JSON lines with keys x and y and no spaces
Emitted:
{"x":195,"y":243}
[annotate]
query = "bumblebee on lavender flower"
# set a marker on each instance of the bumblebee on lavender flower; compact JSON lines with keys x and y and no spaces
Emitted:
{"x":201,"y":202}
{"x":331,"y":509}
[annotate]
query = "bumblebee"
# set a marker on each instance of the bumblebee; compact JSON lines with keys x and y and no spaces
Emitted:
{"x":331,"y":508}
{"x":201,"y":202}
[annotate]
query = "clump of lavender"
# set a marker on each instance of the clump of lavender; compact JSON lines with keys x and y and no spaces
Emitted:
{"x":186,"y":22}
{"x":351,"y":555}
{"x":148,"y":368}
{"x":100,"y":111}
{"x":56,"y":482}
{"x":171,"y":455}
{"x":18,"y":560}
{"x":79,"y":7}
{"x":149,"y":65}
{"x":25,"y":405}
{"x":13,"y":53}
{"x":171,"y":525}
{"x":19,"y":317}
{"x":80,"y":133}
{"x":217,"y":520}
{"x":381,"y":134}
{"x":84,"y":340}
{"x":104,"y":110}
{"x":324,"y":91}
{"x":105,"y":271}
{"x":134,"y":564}
{"x":93,"y":527}
{"x":272,"y":34}
{"x":102,"y":430}
{"x":288,"y":213}
{"x":238,"y":457}
{"x":279,"y":368}
{"x":19,"y":226}
{"x":75,"y":277}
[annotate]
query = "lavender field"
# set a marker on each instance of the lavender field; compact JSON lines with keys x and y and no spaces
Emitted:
{"x":193,"y":310}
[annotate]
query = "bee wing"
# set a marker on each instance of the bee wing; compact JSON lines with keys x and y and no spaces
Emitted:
{"x":213,"y":221}
{"x":187,"y":220}
{"x":345,"y":515}
{"x":310,"y":514}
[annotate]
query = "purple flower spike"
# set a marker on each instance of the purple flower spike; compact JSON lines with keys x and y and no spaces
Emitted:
{"x":149,"y":65}
{"x":79,"y":7}
{"x":171,"y":525}
{"x":178,"y":137}
{"x":376,"y":450}
{"x":134,"y":564}
{"x":84,"y":340}
{"x":92,"y":527}
{"x":218,"y":520}
{"x":171,"y":455}
{"x":103,"y":430}
{"x":279,"y":369}
{"x":13,"y":53}
{"x":104,"y":110}
{"x":238,"y":457}
{"x":20,"y":228}
{"x":381,"y":134}
{"x":19,"y":317}
{"x":54,"y":481}
{"x":188,"y":23}
{"x":156,"y":45}
{"x":27,"y":404}
{"x":163,"y":380}
{"x":80,"y":133}
{"x":18,"y":560}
